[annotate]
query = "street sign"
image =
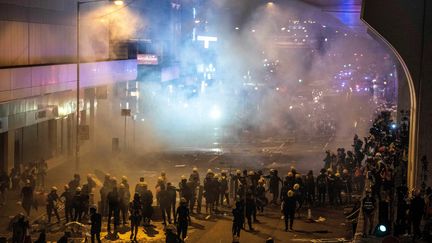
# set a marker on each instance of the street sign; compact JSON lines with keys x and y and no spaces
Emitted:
{"x":125,"y":112}
{"x":84,"y":132}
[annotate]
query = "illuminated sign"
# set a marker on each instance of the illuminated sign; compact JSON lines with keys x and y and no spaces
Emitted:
{"x":207,"y":40}
{"x":147,"y":59}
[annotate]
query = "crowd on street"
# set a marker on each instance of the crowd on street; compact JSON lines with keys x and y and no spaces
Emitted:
{"x":375,"y":166}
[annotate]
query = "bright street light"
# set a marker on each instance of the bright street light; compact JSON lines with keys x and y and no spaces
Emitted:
{"x":215,"y":113}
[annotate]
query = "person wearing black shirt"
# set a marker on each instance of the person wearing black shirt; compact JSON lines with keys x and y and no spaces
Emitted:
{"x":274,"y":181}
{"x":172,"y":192}
{"x":223,"y":187}
{"x":146,"y":200}
{"x":417,"y":208}
{"x":96,"y":225}
{"x":238,"y":219}
{"x":322,"y":187}
{"x":51,"y":206}
{"x":75,"y":183}
{"x":68,"y":199}
{"x":250,"y":208}
{"x":183,"y":219}
{"x":310,"y":188}
{"x":288,"y":209}
{"x":124,"y":198}
{"x":368,"y":207}
{"x":135,"y":215}
{"x":78,"y":204}
{"x":164,"y":203}
{"x":113,"y":209}
{"x":27,"y":197}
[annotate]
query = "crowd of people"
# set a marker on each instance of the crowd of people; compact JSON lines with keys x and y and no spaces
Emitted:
{"x":385,"y":165}
{"x":378,"y":165}
{"x":375,"y":166}
{"x":33,"y":174}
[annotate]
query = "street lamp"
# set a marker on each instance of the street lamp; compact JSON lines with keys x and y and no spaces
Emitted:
{"x":79,"y":3}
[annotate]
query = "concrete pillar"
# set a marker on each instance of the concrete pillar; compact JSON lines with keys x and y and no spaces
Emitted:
{"x":424,"y":96}
{"x":3,"y":151}
{"x":10,"y":149}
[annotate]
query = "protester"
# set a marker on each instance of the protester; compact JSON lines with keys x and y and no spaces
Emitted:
{"x":417,"y":207}
{"x":310,"y":188}
{"x":113,"y":209}
{"x":147,"y":201}
{"x":274,"y":182}
{"x":20,"y":228}
{"x":250,"y":208}
{"x":164,"y":203}
{"x":135,"y":215}
{"x":41,"y":238}
{"x":368,"y":208}
{"x":238,"y":219}
{"x":4,"y":186}
{"x":52,"y":204}
{"x":96,"y":225}
{"x":124,"y":199}
{"x":183,"y":219}
{"x":194,"y":182}
{"x":27,"y":200}
{"x":78,"y":204}
{"x":74,"y":183}
{"x":223,"y":189}
{"x":288,"y":209}
{"x":68,"y":203}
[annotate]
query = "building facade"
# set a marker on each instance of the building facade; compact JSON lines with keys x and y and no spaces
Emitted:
{"x":38,"y":68}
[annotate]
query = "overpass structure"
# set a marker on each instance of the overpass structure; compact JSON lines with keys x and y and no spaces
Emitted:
{"x":405,"y":28}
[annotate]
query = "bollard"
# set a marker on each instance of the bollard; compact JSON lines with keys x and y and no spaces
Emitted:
{"x":309,"y":216}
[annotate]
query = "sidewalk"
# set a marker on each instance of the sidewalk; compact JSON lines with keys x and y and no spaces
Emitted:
{"x":60,"y":172}
{"x":11,"y":207}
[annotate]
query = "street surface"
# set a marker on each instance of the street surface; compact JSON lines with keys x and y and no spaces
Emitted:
{"x":203,"y":229}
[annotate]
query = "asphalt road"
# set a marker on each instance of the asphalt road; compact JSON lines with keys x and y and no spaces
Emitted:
{"x":280,"y":155}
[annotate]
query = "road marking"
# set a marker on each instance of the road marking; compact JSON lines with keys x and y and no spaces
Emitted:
{"x":213,"y":159}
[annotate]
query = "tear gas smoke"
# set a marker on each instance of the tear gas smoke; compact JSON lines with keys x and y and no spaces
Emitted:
{"x":277,"y":75}
{"x":280,"y":70}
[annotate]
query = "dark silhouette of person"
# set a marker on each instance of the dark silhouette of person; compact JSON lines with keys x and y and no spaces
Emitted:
{"x":96,"y":225}
{"x":135,"y":209}
{"x":164,"y":201}
{"x":289,"y":208}
{"x":183,"y":219}
{"x":238,"y":219}
{"x":27,"y":197}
